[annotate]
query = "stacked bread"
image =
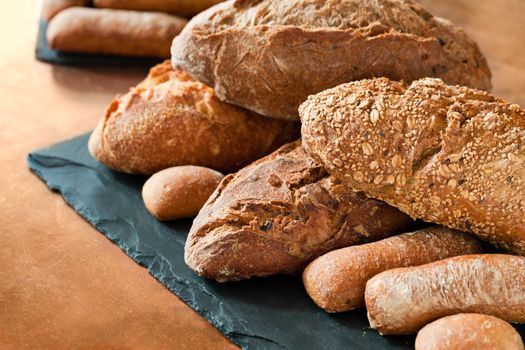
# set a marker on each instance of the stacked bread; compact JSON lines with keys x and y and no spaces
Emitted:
{"x":396,"y":124}
{"x":143,"y":28}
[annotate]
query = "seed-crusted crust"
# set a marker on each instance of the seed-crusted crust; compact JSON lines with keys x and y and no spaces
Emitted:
{"x":401,"y":301}
{"x":450,"y":155}
{"x":336,"y":281}
{"x":270,"y":55}
{"x":277,"y":214}
{"x":169,"y":119}
{"x":177,"y":7}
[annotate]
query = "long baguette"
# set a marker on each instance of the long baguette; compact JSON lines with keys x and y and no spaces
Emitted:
{"x":336,"y":281}
{"x":401,"y":301}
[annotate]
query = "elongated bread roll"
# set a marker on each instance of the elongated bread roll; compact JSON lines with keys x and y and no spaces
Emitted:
{"x":169,"y":119}
{"x":270,"y":55}
{"x":401,"y":301}
{"x":446,"y":154}
{"x":468,"y":332}
{"x":277,"y":214}
{"x":177,"y":7}
{"x":51,"y":7}
{"x":113,"y":32}
{"x":336,"y":281}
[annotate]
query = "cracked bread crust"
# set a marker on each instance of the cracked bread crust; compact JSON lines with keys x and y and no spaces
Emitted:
{"x":269,"y":56}
{"x":169,"y":120}
{"x":446,"y":154}
{"x":279,"y":213}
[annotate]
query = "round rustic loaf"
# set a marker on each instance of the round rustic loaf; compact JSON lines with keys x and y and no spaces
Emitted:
{"x":270,"y":55}
{"x":179,"y":192}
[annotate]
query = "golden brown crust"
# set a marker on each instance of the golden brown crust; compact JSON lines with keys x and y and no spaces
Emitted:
{"x":179,"y":192}
{"x":277,"y":214}
{"x":113,"y":32}
{"x":169,"y":120}
{"x":336,"y":281}
{"x":177,"y":7}
{"x":51,"y":7}
{"x":468,"y":332}
{"x":401,"y":301}
{"x":445,"y":154}
{"x":270,"y":55}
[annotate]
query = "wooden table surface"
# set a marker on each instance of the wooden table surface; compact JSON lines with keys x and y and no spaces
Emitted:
{"x":64,"y":285}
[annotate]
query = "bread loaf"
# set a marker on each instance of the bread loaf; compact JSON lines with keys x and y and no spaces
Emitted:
{"x":446,"y":154}
{"x":401,"y":301}
{"x":270,"y":55}
{"x":177,"y":7}
{"x":51,"y":7}
{"x":279,"y":213}
{"x":468,"y":332}
{"x":170,"y":120}
{"x":336,"y":281}
{"x":113,"y":32}
{"x":179,"y":192}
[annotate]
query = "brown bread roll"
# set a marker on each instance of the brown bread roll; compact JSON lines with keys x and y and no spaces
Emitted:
{"x":270,"y":55}
{"x":170,"y":119}
{"x":51,"y":7}
{"x":468,"y":332}
{"x":401,"y":301}
{"x":446,"y":154}
{"x":177,"y":7}
{"x":179,"y":192}
{"x":279,"y":213}
{"x":113,"y":32}
{"x":336,"y":281}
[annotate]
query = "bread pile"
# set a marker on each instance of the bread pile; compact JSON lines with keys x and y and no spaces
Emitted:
{"x":142,"y":28}
{"x":396,"y":124}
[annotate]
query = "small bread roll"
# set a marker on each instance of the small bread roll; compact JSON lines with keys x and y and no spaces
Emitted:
{"x":179,"y":192}
{"x":468,"y":332}
{"x":51,"y":7}
{"x":178,"y":7}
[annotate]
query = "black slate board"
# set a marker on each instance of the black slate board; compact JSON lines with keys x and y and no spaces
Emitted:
{"x":45,"y":54}
{"x":270,"y":313}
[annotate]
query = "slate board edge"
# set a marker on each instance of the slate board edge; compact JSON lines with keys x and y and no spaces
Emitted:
{"x":234,"y":337}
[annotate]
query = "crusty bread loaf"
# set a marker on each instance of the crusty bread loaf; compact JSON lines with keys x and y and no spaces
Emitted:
{"x":113,"y":32}
{"x":468,"y":332}
{"x":51,"y":7}
{"x":277,"y":214}
{"x":179,"y":192}
{"x":270,"y":55}
{"x":169,"y":120}
{"x":177,"y":7}
{"x":336,"y":281}
{"x":445,"y":154}
{"x":401,"y":301}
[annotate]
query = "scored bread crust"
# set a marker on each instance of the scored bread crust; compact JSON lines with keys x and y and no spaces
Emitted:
{"x":169,"y":119}
{"x":277,"y":214}
{"x":269,"y":56}
{"x":446,"y":154}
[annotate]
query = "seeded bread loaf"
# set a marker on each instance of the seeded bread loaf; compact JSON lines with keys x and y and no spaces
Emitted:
{"x":177,"y":7}
{"x":169,"y":120}
{"x":446,"y":154}
{"x":113,"y":32}
{"x":279,"y":213}
{"x":270,"y":55}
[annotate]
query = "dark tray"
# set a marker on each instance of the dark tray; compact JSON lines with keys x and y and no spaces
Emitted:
{"x":269,"y":313}
{"x":45,"y":54}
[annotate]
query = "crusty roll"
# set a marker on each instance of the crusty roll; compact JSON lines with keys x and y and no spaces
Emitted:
{"x":336,"y":281}
{"x":113,"y":32}
{"x":401,"y":301}
{"x":468,"y":332}
{"x":179,"y":192}
{"x":51,"y":7}
{"x":169,"y":120}
{"x":277,"y":214}
{"x":446,"y":154}
{"x":270,"y":55}
{"x":177,"y":7}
